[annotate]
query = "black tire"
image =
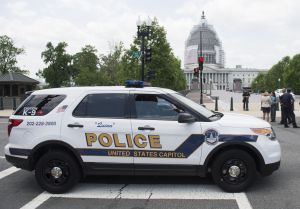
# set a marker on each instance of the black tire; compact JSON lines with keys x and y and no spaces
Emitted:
{"x":234,"y":170}
{"x":67,"y":172}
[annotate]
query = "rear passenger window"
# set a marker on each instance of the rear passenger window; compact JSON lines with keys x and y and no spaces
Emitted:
{"x":39,"y":105}
{"x":101,"y":106}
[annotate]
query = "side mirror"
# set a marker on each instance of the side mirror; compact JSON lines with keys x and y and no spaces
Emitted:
{"x":185,"y":118}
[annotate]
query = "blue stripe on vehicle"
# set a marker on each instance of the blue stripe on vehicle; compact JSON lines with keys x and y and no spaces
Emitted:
{"x":243,"y":138}
{"x":192,"y":143}
{"x":101,"y":152}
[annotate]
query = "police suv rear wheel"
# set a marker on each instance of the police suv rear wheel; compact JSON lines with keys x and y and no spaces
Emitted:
{"x":234,"y":170}
{"x":57,"y":172}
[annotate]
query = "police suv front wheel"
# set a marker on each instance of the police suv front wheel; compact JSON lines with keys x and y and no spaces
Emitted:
{"x":234,"y":170}
{"x":57,"y":172}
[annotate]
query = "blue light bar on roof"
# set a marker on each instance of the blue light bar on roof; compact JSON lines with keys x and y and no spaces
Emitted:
{"x":136,"y":84}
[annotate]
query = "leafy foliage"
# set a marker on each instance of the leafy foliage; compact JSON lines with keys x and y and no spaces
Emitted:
{"x":111,"y":66}
{"x":286,"y":73}
{"x":86,"y":67}
{"x":59,"y":71}
{"x":8,"y":55}
{"x":291,"y":76}
{"x":164,"y":62}
{"x":114,"y":68}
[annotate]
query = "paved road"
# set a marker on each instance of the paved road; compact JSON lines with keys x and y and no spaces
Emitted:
{"x":281,"y":190}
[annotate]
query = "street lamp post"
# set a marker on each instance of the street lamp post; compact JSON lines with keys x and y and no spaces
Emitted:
{"x":210,"y":81}
{"x":200,"y":61}
{"x":277,"y":105}
{"x":143,"y":33}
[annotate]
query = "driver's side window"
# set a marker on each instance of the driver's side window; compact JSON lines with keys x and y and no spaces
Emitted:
{"x":154,"y":107}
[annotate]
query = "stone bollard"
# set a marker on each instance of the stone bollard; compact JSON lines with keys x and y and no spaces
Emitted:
{"x":1,"y":103}
{"x":216,"y":103}
{"x":14,"y":103}
{"x":231,"y":104}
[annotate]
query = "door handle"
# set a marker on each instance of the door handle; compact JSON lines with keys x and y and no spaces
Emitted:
{"x":75,"y":125}
{"x":146,"y":128}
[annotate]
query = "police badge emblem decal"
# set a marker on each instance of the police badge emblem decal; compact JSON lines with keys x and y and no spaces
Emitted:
{"x":211,"y":136}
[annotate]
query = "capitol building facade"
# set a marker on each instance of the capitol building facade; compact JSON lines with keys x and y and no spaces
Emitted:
{"x":215,"y":75}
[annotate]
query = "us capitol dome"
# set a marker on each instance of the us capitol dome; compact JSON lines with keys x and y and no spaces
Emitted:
{"x":212,"y":51}
{"x":215,"y":75}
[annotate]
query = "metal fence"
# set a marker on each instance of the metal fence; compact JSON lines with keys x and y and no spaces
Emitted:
{"x":10,"y":103}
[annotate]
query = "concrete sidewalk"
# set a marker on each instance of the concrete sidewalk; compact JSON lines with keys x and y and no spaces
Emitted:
{"x":236,"y":109}
{"x":5,"y":113}
{"x":224,"y":106}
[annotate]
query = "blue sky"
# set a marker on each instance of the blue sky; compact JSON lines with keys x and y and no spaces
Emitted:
{"x":254,"y":33}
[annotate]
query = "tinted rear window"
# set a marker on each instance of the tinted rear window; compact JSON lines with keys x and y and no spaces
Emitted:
{"x":39,"y":105}
{"x":102,"y":105}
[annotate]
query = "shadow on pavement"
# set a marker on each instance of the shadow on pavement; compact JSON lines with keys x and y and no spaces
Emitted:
{"x":148,"y":180}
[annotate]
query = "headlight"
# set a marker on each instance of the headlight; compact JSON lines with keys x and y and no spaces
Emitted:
{"x":269,"y":132}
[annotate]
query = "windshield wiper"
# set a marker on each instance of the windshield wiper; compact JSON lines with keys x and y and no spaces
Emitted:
{"x":216,"y":114}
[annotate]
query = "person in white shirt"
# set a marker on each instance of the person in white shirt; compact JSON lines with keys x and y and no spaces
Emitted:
{"x":266,"y":105}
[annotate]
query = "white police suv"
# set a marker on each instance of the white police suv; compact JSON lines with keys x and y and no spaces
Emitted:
{"x":65,"y":134}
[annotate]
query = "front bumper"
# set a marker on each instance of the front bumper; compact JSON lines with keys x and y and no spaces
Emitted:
{"x":268,"y":169}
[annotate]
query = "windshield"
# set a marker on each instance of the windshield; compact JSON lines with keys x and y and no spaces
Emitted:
{"x":199,"y":108}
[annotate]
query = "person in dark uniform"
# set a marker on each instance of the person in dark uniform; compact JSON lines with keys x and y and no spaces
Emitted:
{"x":246,"y":96}
{"x":287,"y":102}
{"x":282,"y":112}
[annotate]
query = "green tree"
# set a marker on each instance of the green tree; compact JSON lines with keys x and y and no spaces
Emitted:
{"x":86,"y":67}
{"x":8,"y":55}
{"x":130,"y":66}
{"x":292,"y":74}
{"x":112,"y":66}
{"x":164,"y":62}
{"x":258,"y":85}
{"x":277,"y":72}
{"x":287,"y":70}
{"x":115,"y":67}
{"x":59,"y":71}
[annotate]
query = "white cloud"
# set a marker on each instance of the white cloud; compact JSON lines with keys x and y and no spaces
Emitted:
{"x":20,"y":9}
{"x":254,"y":33}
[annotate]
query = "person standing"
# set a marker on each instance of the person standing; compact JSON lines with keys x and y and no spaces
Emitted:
{"x":274,"y":103}
{"x":282,"y":109}
{"x":287,"y":101}
{"x":246,"y":96}
{"x":266,"y":106}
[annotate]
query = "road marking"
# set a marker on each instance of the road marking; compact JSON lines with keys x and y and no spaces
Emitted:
{"x":37,"y":201}
{"x":144,"y":191}
{"x":242,"y":200}
{"x":8,"y":171}
{"x":2,"y":157}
